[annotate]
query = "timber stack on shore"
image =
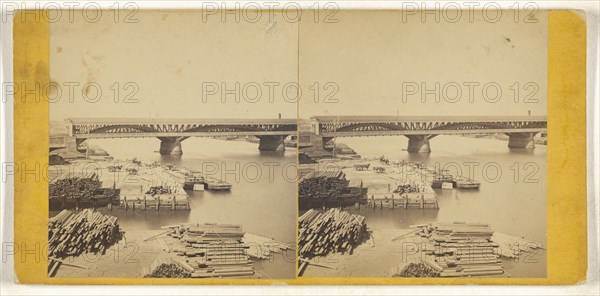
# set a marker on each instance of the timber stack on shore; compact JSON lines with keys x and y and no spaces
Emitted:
{"x":322,"y":184}
{"x":321,"y":233}
{"x":74,"y":233}
{"x":212,"y":250}
{"x":329,"y":189}
{"x":74,"y":185}
{"x":79,"y":190}
{"x":461,"y":250}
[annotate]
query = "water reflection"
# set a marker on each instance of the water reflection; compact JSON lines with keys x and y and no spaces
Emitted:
{"x":168,"y":158}
{"x":262,"y":198}
{"x":512,"y":196}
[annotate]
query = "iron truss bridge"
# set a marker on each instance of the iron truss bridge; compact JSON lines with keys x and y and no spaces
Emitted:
{"x":357,"y":126}
{"x":88,"y":128}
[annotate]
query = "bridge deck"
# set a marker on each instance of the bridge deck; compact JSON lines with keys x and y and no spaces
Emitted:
{"x":181,"y":121}
{"x":429,"y":132}
{"x":365,"y":119}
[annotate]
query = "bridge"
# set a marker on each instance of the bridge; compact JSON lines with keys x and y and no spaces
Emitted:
{"x":420,"y":129}
{"x":171,"y":132}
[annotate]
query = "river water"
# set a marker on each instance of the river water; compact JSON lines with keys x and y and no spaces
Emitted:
{"x":512,"y":196}
{"x":262,"y":198}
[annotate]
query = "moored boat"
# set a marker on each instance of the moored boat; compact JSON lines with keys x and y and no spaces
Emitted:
{"x":217,"y":185}
{"x":192,"y":179}
{"x":467,"y":184}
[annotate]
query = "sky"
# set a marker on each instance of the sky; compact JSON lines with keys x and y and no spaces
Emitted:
{"x":384,"y":63}
{"x":181,"y":65}
{"x":174,"y":64}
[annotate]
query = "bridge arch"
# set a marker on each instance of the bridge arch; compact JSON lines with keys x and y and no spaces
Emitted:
{"x":471,"y":126}
{"x":123,"y":129}
{"x":371,"y":126}
{"x":224,"y":128}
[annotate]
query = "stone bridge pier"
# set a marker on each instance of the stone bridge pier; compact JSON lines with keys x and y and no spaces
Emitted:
{"x":419,"y":143}
{"x":171,"y":145}
{"x":318,"y":141}
{"x":271,"y":143}
{"x":521,"y":140}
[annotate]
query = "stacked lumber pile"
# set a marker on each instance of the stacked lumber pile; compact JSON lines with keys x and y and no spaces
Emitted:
{"x":73,"y":185}
{"x":321,"y":233}
{"x":461,"y":250}
{"x":212,"y":250}
{"x":73,"y":233}
{"x":415,"y":270}
{"x":322,"y":184}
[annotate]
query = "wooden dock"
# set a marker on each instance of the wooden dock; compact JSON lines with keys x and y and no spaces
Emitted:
{"x":172,"y":202}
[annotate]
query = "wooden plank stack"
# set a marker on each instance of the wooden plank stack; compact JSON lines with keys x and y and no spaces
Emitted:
{"x":461,"y":250}
{"x":72,"y":233}
{"x":212,"y":250}
{"x":321,"y":233}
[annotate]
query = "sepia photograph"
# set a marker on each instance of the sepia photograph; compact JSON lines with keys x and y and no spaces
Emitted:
{"x":172,"y":149}
{"x":353,"y":147}
{"x":426,"y":155}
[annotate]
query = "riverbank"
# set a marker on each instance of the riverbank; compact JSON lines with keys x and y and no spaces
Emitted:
{"x":134,"y":253}
{"x":243,"y":205}
{"x":390,"y":250}
{"x":503,"y":189}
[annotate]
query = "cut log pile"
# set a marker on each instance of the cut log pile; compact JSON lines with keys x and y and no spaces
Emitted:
{"x":327,"y":189}
{"x":415,"y":270}
{"x":322,"y":184}
{"x":321,"y":233}
{"x":73,"y":233}
{"x":163,"y":268}
{"x":212,"y":250}
{"x":461,"y":250}
{"x":73,"y":185}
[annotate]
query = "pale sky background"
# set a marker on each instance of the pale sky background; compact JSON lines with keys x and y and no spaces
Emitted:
{"x":169,"y":55}
{"x":368,"y":55}
{"x":371,"y":54}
